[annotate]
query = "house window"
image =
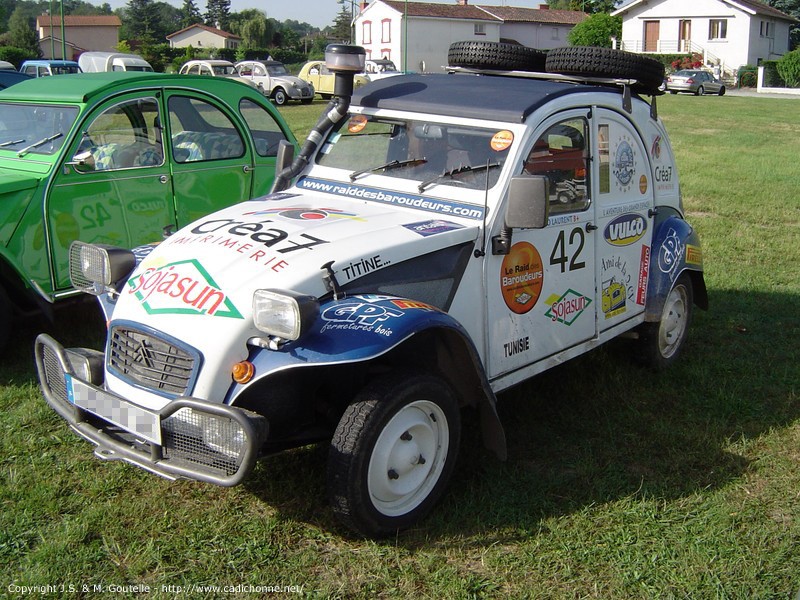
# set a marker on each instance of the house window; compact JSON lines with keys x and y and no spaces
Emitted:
{"x":767,"y":29}
{"x":718,"y":29}
{"x":366,"y":32}
{"x":480,"y":29}
{"x":554,"y":33}
{"x":386,"y":31}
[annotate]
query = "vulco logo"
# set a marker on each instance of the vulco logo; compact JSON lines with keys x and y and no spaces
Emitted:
{"x":181,"y":288}
{"x":626,"y":229}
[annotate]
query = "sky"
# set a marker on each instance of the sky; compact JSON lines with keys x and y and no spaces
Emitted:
{"x":319,"y":13}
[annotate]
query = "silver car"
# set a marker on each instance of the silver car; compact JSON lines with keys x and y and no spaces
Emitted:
{"x":275,"y":81}
{"x":694,"y":81}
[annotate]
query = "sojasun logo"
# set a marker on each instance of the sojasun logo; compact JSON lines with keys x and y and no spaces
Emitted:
{"x":181,"y":288}
{"x":625,"y":230}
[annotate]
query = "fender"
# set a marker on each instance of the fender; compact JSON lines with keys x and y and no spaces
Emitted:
{"x":676,"y":248}
{"x":364,"y":327}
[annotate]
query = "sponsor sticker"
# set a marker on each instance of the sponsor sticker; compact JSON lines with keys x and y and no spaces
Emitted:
{"x":567,"y":307}
{"x":644,"y":271}
{"x":694,"y":255}
{"x":670,"y":254}
{"x":502,"y":140}
{"x":521,"y":277}
{"x":625,"y":229}
{"x":181,"y":288}
{"x":432,"y":227}
{"x":624,"y":164}
{"x":357,"y":123}
{"x":616,"y":288}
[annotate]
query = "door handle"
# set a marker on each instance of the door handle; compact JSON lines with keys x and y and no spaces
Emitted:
{"x":246,"y":168}
{"x":163,"y":179}
{"x":590,"y":227}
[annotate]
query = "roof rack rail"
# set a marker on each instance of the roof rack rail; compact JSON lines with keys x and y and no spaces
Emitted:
{"x":625,"y":84}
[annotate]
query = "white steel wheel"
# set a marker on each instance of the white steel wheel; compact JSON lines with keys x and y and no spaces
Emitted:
{"x":408,"y":458}
{"x":393,"y":452}
{"x":663,"y":341}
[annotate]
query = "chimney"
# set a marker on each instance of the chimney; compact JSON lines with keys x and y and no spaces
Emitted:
{"x":463,"y":2}
{"x":544,"y":7}
{"x":364,"y":4}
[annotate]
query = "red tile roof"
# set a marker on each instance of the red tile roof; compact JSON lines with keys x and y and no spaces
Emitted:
{"x":218,"y":32}
{"x":79,"y":21}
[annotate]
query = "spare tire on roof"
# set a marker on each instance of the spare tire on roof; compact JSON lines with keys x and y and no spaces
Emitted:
{"x":496,"y":55}
{"x":592,"y":61}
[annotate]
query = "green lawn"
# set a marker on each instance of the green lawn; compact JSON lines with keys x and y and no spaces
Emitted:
{"x":619,"y":483}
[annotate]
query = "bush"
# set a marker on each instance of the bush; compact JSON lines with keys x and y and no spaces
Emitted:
{"x":688,"y":61}
{"x":789,"y":68}
{"x":16,"y":56}
{"x":772,"y":77}
{"x":597,"y":30}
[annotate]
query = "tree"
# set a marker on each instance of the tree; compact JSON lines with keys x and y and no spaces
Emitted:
{"x":253,"y":26}
{"x":792,"y":8}
{"x":597,"y":30}
{"x":341,"y":26}
{"x":218,"y":13}
{"x":22,"y":33}
{"x":789,"y":68}
{"x":190,"y":14}
{"x":141,"y":21}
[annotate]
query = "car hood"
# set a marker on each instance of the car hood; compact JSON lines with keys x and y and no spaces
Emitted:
{"x":197,"y":285}
{"x":16,"y":191}
{"x":288,"y":80}
{"x":14,"y":181}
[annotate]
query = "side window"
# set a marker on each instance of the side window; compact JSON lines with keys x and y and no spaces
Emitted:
{"x":123,"y":136}
{"x":561,"y":154}
{"x":267,"y":134}
{"x":201,"y":131}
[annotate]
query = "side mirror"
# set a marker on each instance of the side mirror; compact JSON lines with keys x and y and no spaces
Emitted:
{"x":528,"y":204}
{"x":528,"y":207}
{"x":285,"y":156}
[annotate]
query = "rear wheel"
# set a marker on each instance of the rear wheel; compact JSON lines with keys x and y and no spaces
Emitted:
{"x":721,"y":91}
{"x":662,"y":342}
{"x":495,"y":55}
{"x":6,"y":319}
{"x":700,"y":91}
{"x":393,"y":453}
{"x":591,"y":61}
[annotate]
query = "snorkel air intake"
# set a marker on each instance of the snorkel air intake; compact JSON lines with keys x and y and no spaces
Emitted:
{"x":344,"y":61}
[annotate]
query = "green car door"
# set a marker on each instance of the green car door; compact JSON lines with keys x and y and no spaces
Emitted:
{"x":114,"y":186}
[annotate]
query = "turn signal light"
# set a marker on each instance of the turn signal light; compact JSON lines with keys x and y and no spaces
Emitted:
{"x":243,"y":372}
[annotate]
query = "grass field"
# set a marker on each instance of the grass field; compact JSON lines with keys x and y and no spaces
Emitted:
{"x":619,"y":483}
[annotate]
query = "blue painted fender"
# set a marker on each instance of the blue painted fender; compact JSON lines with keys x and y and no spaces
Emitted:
{"x":676,"y":248}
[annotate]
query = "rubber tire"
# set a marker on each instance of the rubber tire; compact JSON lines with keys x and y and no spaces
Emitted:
{"x":721,"y":91}
{"x":496,"y":55}
{"x":279,"y":96}
{"x":591,"y":61}
{"x":701,"y":91}
{"x":306,"y":100}
{"x":655,"y":349}
{"x":359,"y":430}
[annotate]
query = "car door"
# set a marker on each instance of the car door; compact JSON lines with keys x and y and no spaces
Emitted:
{"x":624,"y":207}
{"x":114,"y":185}
{"x":213,"y":162}
{"x":543,"y":295}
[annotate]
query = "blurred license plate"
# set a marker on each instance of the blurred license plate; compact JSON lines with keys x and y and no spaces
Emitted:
{"x":135,"y":419}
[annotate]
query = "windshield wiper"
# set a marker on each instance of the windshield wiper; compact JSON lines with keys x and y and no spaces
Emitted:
{"x":42,"y":142}
{"x":456,"y":171}
{"x":11,"y":143}
{"x":394,"y":164}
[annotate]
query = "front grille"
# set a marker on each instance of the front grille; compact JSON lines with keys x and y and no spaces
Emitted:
{"x":148,"y":361}
{"x":52,"y":377}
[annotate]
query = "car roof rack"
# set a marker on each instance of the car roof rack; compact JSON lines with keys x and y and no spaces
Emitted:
{"x":625,"y":84}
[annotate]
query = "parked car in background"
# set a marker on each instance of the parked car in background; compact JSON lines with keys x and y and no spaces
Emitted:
{"x":317,"y":74}
{"x":7,"y":66}
{"x":98,"y":62}
{"x":380,"y":68}
{"x":9,"y":78}
{"x":694,"y":81}
{"x":214,"y":68}
{"x":275,"y":81}
{"x":118,"y":158}
{"x":44,"y":68}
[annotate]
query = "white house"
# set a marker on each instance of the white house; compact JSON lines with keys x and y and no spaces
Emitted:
{"x":385,"y":28}
{"x":203,"y":36}
{"x":729,"y":33}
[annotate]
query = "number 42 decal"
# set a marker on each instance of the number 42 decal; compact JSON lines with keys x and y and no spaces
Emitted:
{"x":563,"y":253}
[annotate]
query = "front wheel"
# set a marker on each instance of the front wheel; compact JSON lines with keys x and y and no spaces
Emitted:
{"x":662,"y":342}
{"x":6,"y":319}
{"x":721,"y":91}
{"x":280,"y":97}
{"x":393,"y":453}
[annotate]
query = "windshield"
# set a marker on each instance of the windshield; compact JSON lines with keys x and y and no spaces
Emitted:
{"x":64,"y":69}
{"x":39,"y":129}
{"x":276,"y":70}
{"x":417,"y":150}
